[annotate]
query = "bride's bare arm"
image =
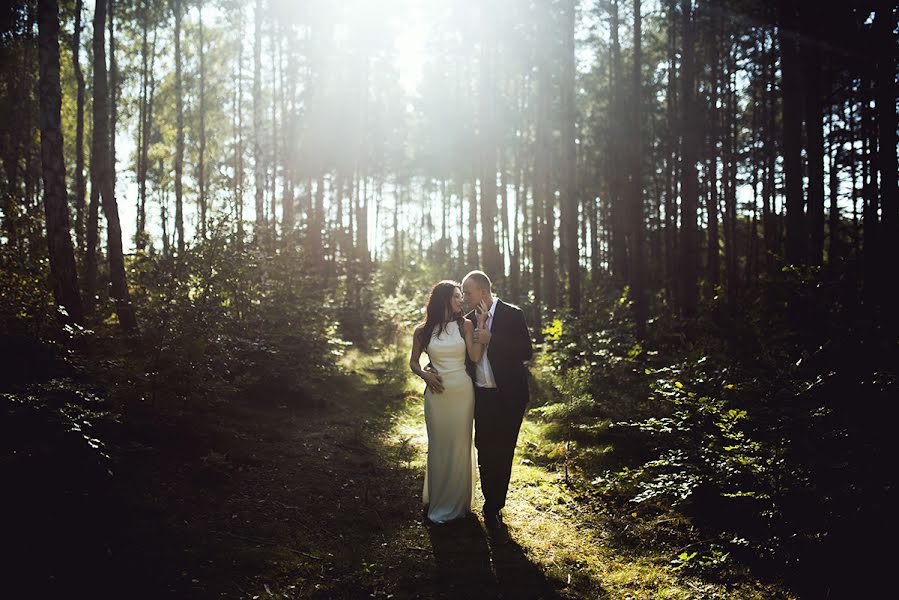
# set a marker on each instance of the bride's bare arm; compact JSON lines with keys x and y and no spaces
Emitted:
{"x":432,"y":378}
{"x":475,"y":350}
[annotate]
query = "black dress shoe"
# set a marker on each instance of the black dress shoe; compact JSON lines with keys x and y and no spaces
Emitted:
{"x":494,"y":521}
{"x":491,"y":520}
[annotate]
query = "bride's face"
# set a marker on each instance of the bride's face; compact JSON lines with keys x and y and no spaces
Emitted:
{"x":456,"y":302}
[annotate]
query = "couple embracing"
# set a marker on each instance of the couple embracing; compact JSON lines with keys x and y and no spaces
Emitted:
{"x":476,"y":379}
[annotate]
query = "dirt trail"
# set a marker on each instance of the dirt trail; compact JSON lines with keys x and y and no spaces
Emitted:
{"x":298,"y":499}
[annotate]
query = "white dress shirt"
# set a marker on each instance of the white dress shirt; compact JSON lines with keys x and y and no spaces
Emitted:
{"x":483,"y":372}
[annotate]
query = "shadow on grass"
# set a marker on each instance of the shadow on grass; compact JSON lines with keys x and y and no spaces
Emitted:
{"x":471,"y":564}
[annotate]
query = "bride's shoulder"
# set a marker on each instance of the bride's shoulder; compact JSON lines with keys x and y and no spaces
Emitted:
{"x":467,"y":325}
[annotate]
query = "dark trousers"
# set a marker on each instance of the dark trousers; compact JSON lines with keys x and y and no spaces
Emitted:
{"x":497,"y":420}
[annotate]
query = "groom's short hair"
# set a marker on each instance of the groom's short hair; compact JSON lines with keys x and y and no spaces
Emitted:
{"x":480,"y":278}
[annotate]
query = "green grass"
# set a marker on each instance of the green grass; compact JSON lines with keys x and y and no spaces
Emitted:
{"x":575,"y":542}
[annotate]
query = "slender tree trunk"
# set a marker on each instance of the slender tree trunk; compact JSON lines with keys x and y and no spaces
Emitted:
{"x":100,"y":154}
{"x":56,"y":209}
{"x":179,"y":135}
{"x":871,"y":226}
{"x":834,"y":249}
{"x":113,"y":97}
{"x":712,"y":178}
{"x":885,"y":90}
{"x":769,"y":215}
{"x":257,"y":122}
{"x":617,"y":204}
{"x":288,"y":118}
{"x":11,"y":135}
{"x":80,"y":183}
{"x":201,"y":159}
{"x":792,"y":131}
{"x":568,"y":197}
{"x":638,"y":267}
{"x":238,"y":153}
{"x":276,"y":159}
{"x":689,"y":183}
{"x":543,"y":214}
{"x":671,"y":261}
{"x":144,"y":129}
{"x":539,"y":187}
{"x":731,"y":250}
{"x":814,"y":127}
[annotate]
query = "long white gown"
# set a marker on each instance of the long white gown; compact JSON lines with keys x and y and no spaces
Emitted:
{"x":449,"y":486}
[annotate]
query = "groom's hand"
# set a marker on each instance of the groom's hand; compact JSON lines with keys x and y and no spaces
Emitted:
{"x":482,"y":336}
{"x":436,"y":382}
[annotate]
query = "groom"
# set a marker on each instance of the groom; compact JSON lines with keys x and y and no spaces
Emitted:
{"x":501,"y":390}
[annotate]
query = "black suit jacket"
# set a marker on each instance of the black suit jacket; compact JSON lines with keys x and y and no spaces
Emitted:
{"x":509,"y":348}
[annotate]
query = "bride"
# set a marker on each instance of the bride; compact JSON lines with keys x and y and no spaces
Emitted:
{"x":447,"y":336}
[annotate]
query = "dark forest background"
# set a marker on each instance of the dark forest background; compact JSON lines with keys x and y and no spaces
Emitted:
{"x":695,"y":202}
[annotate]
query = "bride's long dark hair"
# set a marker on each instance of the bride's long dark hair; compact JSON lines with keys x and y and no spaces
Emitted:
{"x":440,"y":302}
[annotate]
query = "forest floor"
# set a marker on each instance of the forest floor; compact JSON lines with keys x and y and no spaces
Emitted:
{"x":319,"y":496}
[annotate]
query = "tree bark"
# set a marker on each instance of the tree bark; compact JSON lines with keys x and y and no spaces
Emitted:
{"x":569,"y":196}
{"x":791,"y":90}
{"x":487,"y":116}
{"x":617,"y":205}
{"x":689,"y":184}
{"x":56,"y":209}
{"x":80,"y":182}
{"x":638,"y":268}
{"x":100,"y":154}
{"x":201,"y":159}
{"x":814,"y":129}
{"x":259,"y":181}
{"x":143,"y":144}
{"x":885,"y":90}
{"x":179,"y":135}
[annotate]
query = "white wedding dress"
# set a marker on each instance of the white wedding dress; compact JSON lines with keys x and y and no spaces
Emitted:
{"x":452,"y":468}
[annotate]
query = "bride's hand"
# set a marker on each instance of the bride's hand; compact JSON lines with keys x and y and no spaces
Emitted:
{"x":482,"y":314}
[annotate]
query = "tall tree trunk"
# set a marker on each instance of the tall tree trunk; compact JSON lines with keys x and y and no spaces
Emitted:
{"x":487,"y":115}
{"x":288,"y":118}
{"x":814,"y":128}
{"x":259,"y":181}
{"x":238,"y":152}
{"x":671,"y":260}
{"x":100,"y":154}
{"x":689,"y":184}
{"x":201,"y":159}
{"x":179,"y":135}
{"x":568,"y":197}
{"x":473,"y":259}
{"x":769,"y":215}
{"x":80,"y":183}
{"x":712,"y":178}
{"x":56,"y":206}
{"x":539,"y":186}
{"x":638,"y":268}
{"x":731,"y":250}
{"x":13,"y":137}
{"x":617,"y":204}
{"x":113,"y":96}
{"x":791,"y":90}
{"x":276,"y":159}
{"x":885,"y":90}
{"x":834,"y":249}
{"x":143,"y":144}
{"x":871,"y":226}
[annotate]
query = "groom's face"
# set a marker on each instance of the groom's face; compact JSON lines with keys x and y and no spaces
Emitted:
{"x":472,"y":294}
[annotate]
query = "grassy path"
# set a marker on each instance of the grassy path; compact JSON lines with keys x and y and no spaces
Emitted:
{"x":319,"y":497}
